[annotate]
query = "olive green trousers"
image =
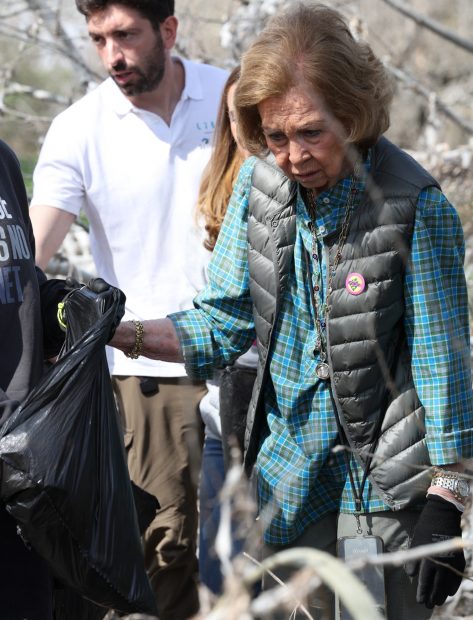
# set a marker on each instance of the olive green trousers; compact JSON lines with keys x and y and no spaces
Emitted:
{"x":163,"y":440}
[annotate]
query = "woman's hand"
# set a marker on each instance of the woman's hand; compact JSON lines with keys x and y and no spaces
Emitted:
{"x":159,"y":340}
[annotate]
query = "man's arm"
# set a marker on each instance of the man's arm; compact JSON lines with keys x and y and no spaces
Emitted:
{"x":50,"y":226}
{"x":221,"y":326}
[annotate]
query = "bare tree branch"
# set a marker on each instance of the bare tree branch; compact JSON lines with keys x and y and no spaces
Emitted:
{"x":415,"y":85}
{"x":400,"y":557}
{"x":431,"y":25}
{"x":55,"y":28}
{"x":14,"y":88}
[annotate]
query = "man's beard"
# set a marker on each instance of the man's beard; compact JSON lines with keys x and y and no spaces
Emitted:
{"x":149,"y":75}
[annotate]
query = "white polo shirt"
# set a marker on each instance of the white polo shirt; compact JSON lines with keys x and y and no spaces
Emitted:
{"x":137,"y":179}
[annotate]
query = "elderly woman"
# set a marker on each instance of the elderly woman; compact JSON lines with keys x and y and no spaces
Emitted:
{"x":344,"y":258}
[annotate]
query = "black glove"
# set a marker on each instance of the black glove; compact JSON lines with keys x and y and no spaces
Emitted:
{"x":52,"y":295}
{"x":439,"y":520}
{"x":72,"y":283}
{"x":98,"y":285}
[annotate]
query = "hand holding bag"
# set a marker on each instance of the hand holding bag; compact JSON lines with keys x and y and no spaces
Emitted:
{"x":65,"y":478}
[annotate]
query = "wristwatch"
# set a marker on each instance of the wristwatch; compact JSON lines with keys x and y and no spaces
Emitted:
{"x":459,"y":486}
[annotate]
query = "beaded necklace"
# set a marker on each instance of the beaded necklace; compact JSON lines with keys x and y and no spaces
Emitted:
{"x":322,"y":369}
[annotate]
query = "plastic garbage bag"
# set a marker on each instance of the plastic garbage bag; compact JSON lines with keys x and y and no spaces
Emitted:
{"x":64,"y":472}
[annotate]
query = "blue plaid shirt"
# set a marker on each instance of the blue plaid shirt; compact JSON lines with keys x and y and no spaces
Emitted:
{"x":300,"y":478}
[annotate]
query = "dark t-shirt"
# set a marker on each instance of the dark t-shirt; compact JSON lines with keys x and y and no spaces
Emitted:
{"x":25,"y":294}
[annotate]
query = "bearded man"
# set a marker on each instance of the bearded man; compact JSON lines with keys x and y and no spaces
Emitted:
{"x":131,"y":153}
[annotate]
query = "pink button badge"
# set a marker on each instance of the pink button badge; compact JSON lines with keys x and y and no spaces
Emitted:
{"x":355,"y":283}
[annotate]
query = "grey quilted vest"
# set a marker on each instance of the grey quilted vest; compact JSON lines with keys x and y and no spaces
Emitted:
{"x":369,"y":360}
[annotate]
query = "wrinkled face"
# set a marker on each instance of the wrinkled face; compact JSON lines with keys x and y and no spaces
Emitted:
{"x":131,"y":50}
{"x":305,"y":138}
{"x":232,"y":117}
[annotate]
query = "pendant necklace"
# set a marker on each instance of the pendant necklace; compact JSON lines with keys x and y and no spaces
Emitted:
{"x":321,"y":313}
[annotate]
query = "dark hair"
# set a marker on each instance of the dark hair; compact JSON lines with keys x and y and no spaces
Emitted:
{"x":155,"y":11}
{"x":314,"y":43}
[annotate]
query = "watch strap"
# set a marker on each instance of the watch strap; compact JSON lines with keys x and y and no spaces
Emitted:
{"x":450,"y":480}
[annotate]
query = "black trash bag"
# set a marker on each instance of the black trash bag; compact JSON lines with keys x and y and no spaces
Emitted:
{"x":65,"y":479}
{"x":69,"y":604}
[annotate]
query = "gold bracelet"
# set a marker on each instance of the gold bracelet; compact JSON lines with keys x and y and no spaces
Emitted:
{"x":139,"y":336}
{"x":439,"y":472}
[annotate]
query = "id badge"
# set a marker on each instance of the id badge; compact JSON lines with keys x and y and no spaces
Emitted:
{"x":357,"y":547}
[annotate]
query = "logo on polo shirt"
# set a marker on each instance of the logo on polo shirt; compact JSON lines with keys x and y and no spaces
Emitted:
{"x":206,"y":126}
{"x":206,"y":129}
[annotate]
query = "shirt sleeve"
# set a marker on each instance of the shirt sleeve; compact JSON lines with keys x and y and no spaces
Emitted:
{"x":437,"y":328}
{"x":57,"y":178}
{"x":221,"y":327}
